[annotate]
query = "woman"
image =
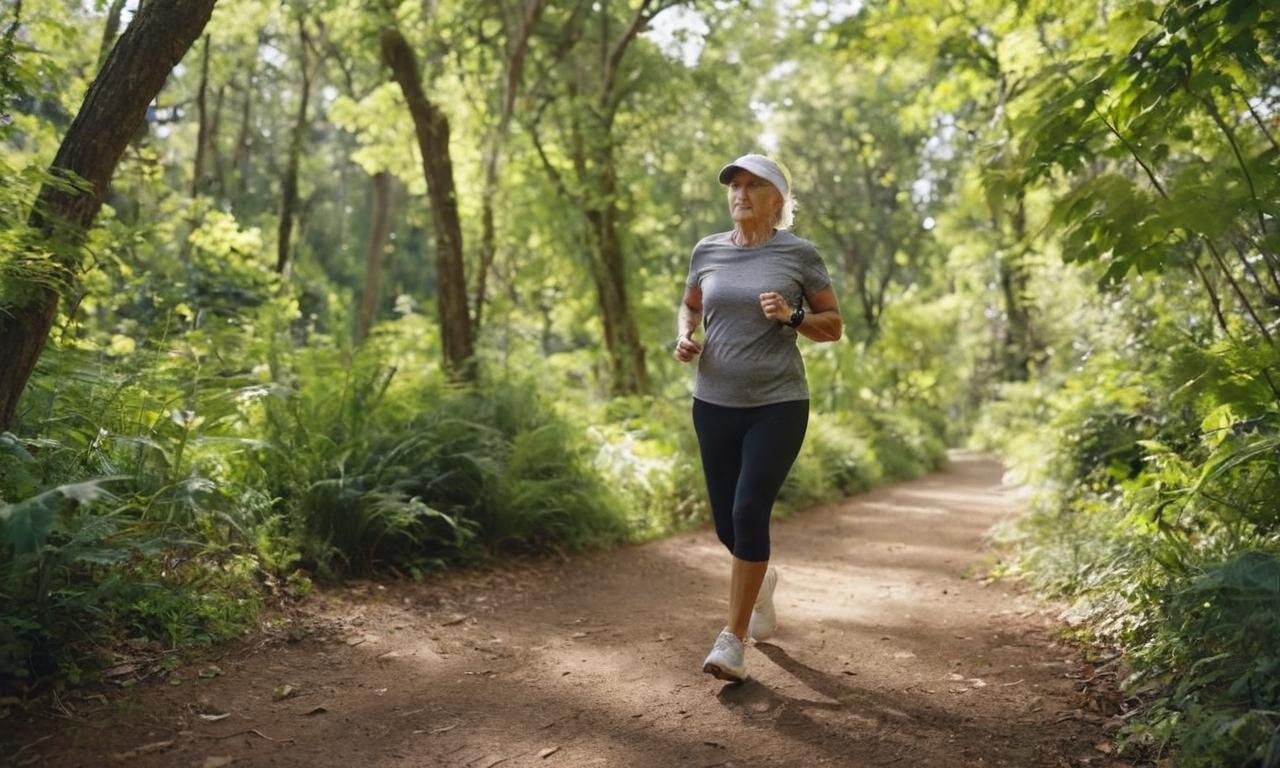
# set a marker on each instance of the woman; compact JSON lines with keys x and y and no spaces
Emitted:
{"x":751,"y":399}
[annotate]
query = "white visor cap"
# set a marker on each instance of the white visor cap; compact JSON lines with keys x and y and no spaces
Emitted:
{"x":762,"y":166}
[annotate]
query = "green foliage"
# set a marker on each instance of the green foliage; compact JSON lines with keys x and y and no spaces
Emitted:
{"x":1156,"y":517}
{"x":1221,"y":628}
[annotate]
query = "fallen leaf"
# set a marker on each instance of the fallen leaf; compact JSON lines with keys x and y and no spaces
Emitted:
{"x":488,"y":761}
{"x":456,"y":618}
{"x":664,"y":637}
{"x":578,"y":635}
{"x":1104,"y":747}
{"x":211,"y":671}
{"x":215,"y":718}
{"x":283,"y":692}
{"x":217,"y":762}
{"x":315,"y":711}
{"x":548,"y":752}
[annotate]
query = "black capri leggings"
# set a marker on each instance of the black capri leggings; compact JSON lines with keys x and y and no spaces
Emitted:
{"x":746,"y":454}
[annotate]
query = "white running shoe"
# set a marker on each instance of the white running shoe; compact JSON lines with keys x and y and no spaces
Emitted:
{"x":727,"y":660}
{"x":763,"y":618}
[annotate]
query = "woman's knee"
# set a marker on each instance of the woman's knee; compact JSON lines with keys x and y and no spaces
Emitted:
{"x":753,"y":549}
{"x":751,"y":531}
{"x":726,"y":538}
{"x":724,"y":531}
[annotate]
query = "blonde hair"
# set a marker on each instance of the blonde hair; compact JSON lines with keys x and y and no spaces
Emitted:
{"x":787,"y":213}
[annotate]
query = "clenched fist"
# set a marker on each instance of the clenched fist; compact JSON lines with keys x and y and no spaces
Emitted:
{"x":687,"y":349}
{"x":775,"y":307}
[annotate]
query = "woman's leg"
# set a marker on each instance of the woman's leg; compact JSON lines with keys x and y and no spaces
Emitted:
{"x":720,"y":433}
{"x":744,"y":585}
{"x":769,"y":448}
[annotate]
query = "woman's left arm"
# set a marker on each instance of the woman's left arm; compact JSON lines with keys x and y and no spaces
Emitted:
{"x":822,"y":322}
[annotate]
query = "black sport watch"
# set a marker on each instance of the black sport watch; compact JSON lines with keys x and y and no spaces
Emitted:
{"x":797,"y":317}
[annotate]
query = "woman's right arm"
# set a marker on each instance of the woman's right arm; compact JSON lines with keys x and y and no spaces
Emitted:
{"x":687,"y":322}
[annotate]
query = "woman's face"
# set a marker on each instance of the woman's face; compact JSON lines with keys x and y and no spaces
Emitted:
{"x":752,"y":200}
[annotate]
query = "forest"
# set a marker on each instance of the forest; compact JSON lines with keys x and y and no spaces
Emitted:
{"x":293,"y":293}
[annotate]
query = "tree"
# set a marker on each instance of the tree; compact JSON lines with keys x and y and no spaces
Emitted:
{"x":595,"y":91}
{"x":113,"y":109}
{"x":515,"y":49}
{"x":432,"y":128}
{"x":858,"y":198}
{"x":289,"y":181}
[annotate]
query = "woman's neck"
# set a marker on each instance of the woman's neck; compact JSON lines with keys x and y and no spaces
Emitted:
{"x":745,"y":234}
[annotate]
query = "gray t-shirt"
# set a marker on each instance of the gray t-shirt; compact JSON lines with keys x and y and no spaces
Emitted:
{"x":748,"y":359}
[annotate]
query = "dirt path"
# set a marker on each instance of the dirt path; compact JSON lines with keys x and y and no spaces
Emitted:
{"x":891,"y":651}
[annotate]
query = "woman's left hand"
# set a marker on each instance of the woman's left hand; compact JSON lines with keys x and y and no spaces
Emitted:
{"x":775,"y":306}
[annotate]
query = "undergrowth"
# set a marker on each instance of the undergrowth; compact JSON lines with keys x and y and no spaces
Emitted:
{"x":1156,"y":517}
{"x":162,"y":493}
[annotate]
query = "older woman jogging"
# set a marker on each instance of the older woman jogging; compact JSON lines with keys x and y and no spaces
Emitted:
{"x":751,"y":397}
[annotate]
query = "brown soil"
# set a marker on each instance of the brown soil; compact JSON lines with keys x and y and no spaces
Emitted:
{"x":892,"y":650}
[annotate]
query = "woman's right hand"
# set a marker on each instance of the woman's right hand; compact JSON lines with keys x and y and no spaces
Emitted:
{"x":687,"y":349}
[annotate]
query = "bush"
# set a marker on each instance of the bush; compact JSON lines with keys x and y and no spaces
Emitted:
{"x":1155,"y":516}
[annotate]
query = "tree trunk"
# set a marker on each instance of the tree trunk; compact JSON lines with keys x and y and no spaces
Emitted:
{"x":219,"y":182}
{"x":289,"y":184}
{"x":622,"y":336}
{"x":517,"y":48}
{"x":379,"y":229}
{"x":432,"y":129}
{"x":244,"y":144}
{"x":1019,"y":343}
{"x":113,"y":110}
{"x":202,"y":113}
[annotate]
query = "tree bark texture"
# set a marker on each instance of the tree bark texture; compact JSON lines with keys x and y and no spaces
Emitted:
{"x":240,"y":159}
{"x":1019,"y":343}
{"x":202,"y":114}
{"x":379,"y":229}
{"x":289,"y":184}
{"x":432,"y":129}
{"x":113,"y":110}
{"x":622,"y":335}
{"x":218,"y":184}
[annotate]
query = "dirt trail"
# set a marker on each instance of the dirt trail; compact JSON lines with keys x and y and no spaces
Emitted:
{"x":891,"y":651}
